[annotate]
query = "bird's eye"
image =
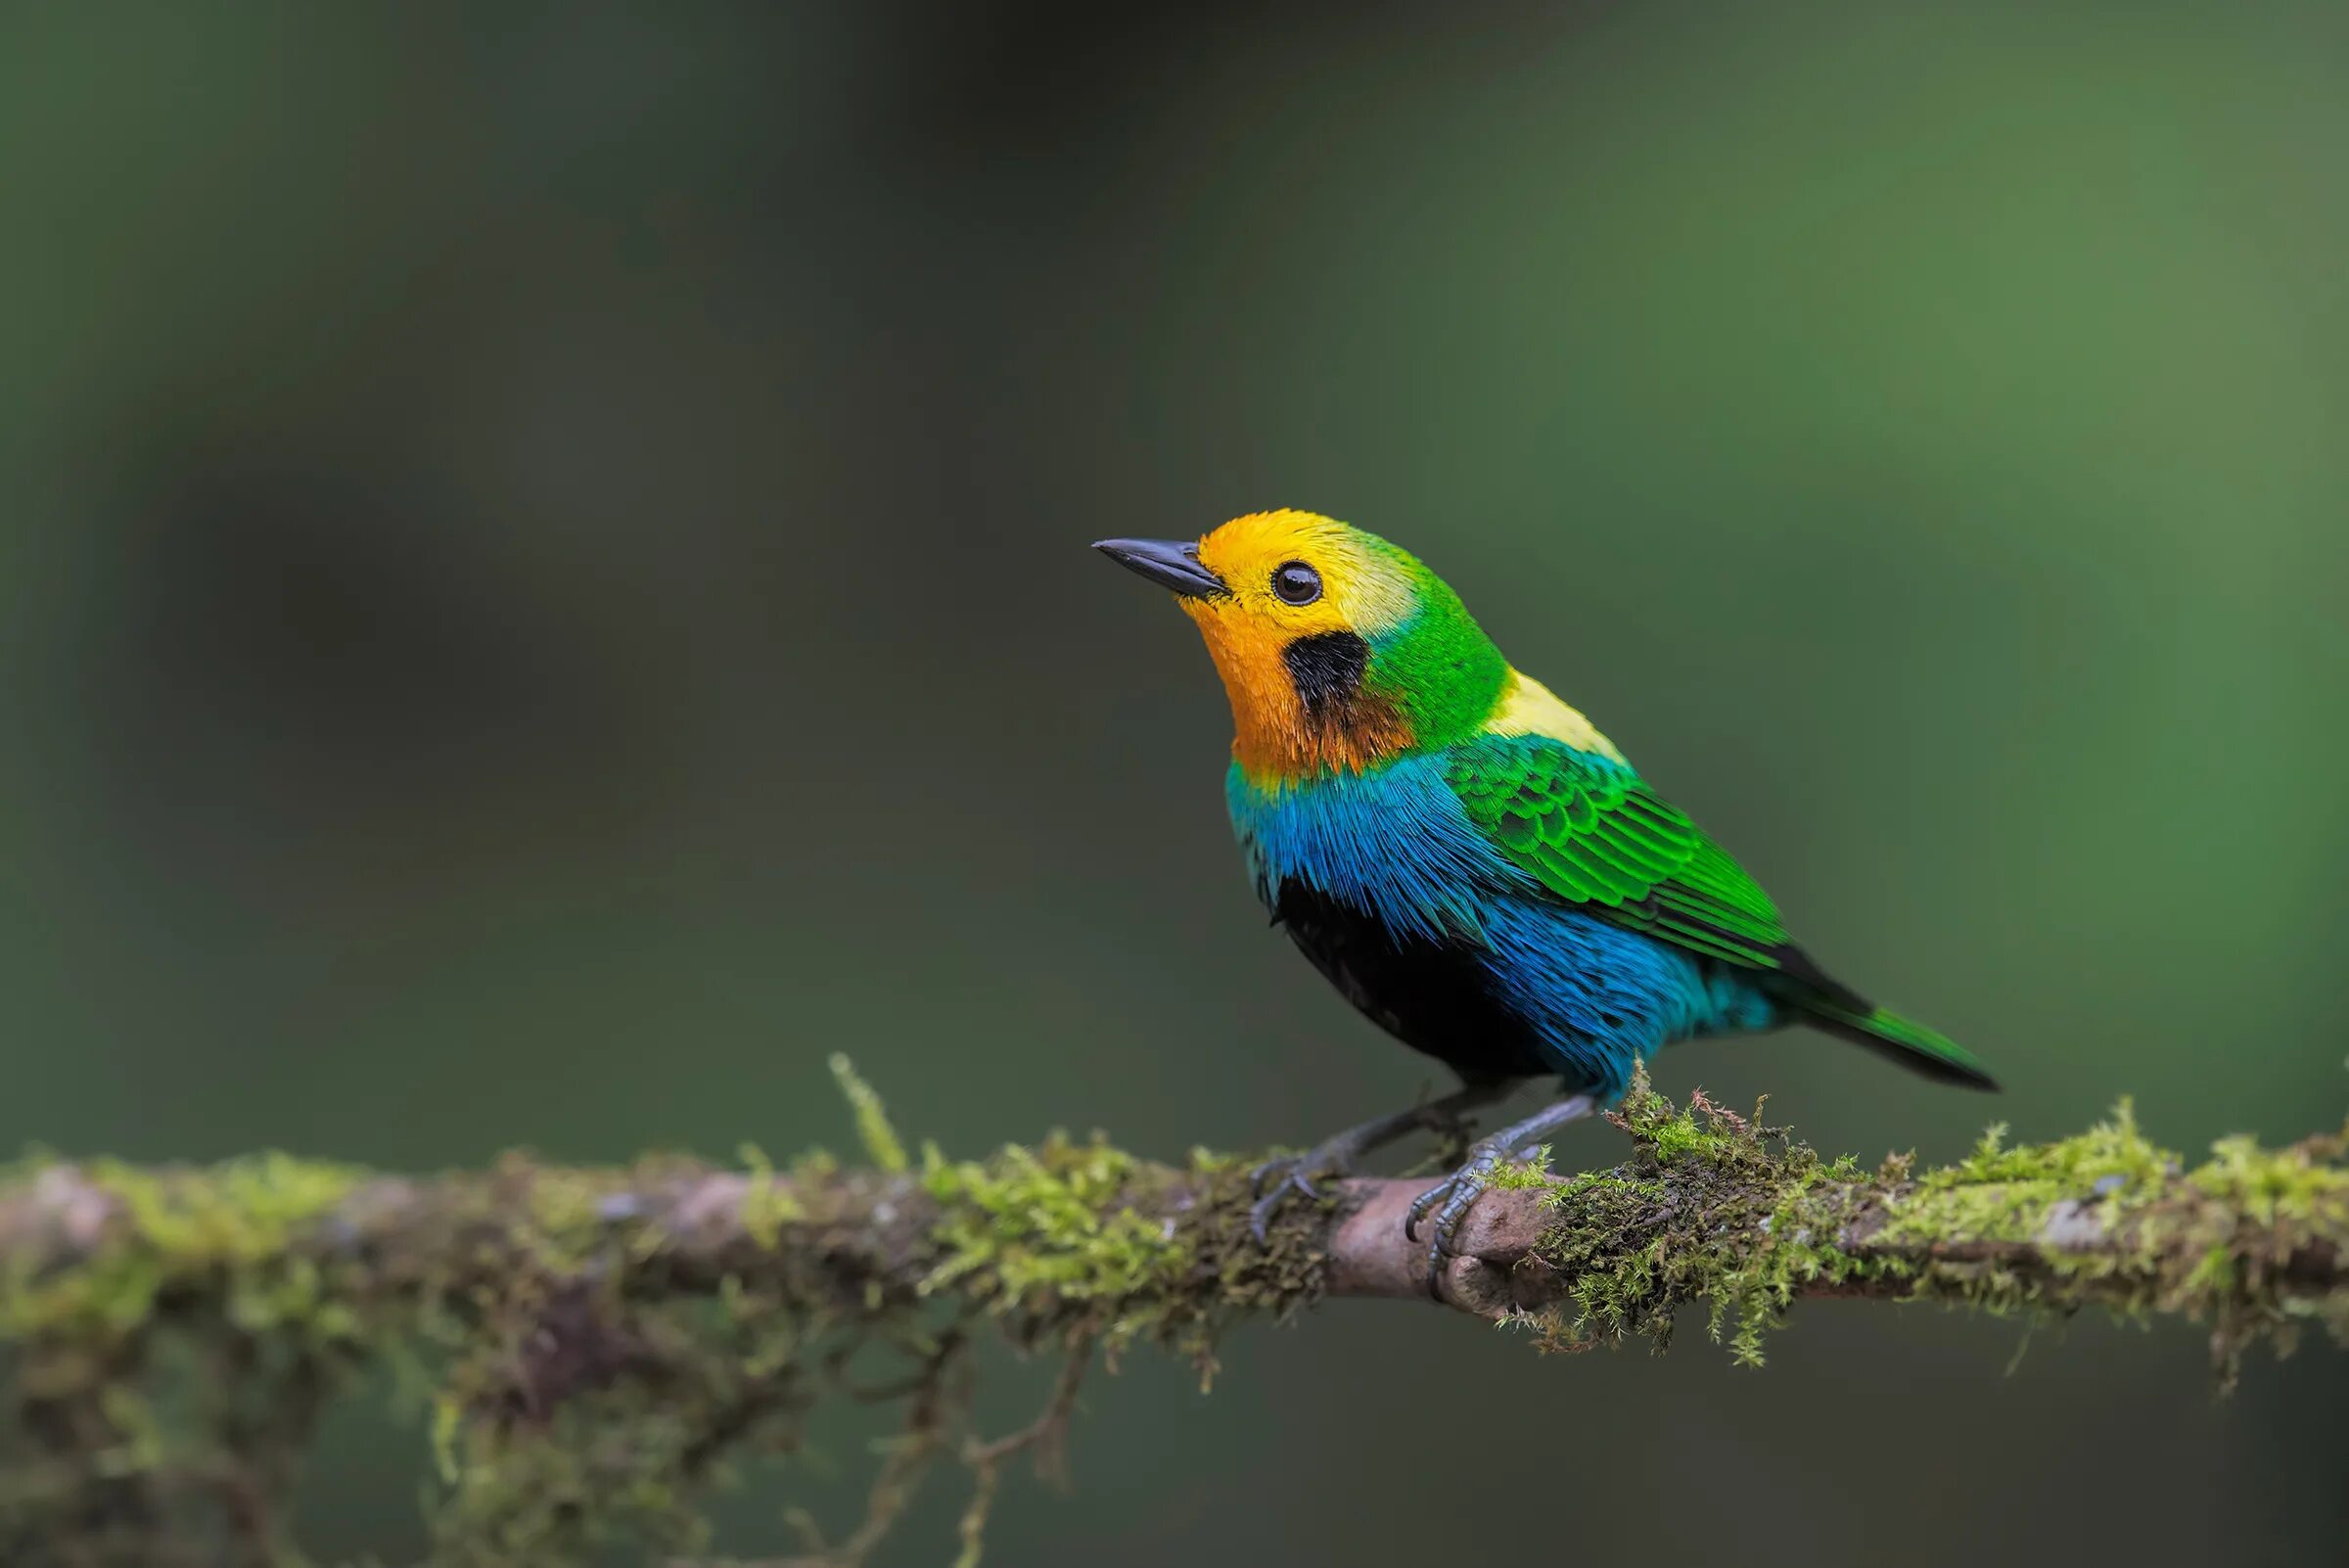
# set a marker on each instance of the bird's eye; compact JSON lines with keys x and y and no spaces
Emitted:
{"x":1295,"y":582}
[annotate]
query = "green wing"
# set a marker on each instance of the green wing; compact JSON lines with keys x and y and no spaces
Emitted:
{"x":1595,"y":835}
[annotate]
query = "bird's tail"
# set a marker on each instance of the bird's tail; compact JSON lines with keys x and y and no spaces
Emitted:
{"x":1904,"y":1041}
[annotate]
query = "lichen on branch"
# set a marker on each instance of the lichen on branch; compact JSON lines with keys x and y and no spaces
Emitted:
{"x":605,"y":1347}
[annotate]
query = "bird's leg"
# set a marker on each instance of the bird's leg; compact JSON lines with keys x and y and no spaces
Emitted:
{"x":1450,"y":1198}
{"x":1291,"y":1174}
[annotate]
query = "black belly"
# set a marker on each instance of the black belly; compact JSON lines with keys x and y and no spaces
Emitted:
{"x":1435,"y":996}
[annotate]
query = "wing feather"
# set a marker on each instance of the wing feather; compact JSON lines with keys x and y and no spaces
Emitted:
{"x":1594,"y":833}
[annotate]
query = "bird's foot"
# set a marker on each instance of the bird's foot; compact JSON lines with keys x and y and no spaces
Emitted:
{"x":1441,"y":1207}
{"x":1451,"y":1199}
{"x":1291,"y":1175}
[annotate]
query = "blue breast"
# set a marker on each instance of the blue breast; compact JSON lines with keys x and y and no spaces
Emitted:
{"x":1393,"y":842}
{"x":1396,"y":844}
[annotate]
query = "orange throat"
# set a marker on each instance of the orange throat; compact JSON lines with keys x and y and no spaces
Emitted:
{"x":1276,"y":734}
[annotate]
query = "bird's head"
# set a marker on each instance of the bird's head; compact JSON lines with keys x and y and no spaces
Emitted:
{"x":1339,"y":650}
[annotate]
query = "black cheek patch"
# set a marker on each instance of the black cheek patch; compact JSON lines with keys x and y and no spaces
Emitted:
{"x":1326,"y":669}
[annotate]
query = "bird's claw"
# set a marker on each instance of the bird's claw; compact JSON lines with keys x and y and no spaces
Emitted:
{"x":1450,"y":1201}
{"x":1279,"y":1166}
{"x":1292,"y":1184}
{"x":1290,"y":1176}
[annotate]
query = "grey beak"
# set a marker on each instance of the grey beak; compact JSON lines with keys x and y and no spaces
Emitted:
{"x":1169,"y":562}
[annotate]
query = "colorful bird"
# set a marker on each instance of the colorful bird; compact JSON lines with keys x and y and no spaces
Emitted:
{"x":1466,"y":858}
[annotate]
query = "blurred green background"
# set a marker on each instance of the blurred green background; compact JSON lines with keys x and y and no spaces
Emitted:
{"x":543,"y":589}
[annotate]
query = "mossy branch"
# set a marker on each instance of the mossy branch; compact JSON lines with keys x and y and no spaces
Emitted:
{"x":601,"y":1343}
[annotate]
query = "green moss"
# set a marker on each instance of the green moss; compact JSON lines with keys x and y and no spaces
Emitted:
{"x":2110,"y":1209}
{"x":1513,"y":1176}
{"x":1045,"y":1229}
{"x":1713,"y":1208}
{"x":2301,"y":1182}
{"x":882,"y":1145}
{"x":1071,"y":1244}
{"x":767,"y":1202}
{"x":233,"y":1223}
